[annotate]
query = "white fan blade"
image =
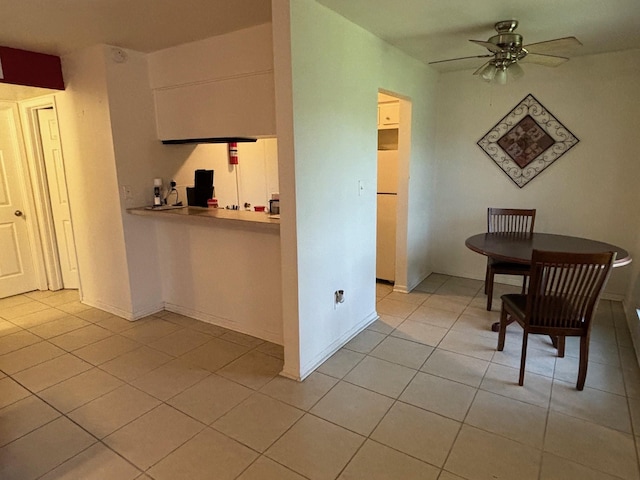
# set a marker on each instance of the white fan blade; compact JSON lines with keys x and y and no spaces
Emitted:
{"x":459,"y":58}
{"x":551,"y":46}
{"x":488,"y":45}
{"x":455,"y":64}
{"x":546,"y":60}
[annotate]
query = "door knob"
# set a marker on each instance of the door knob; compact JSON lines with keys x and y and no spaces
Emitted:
{"x":17,"y":213}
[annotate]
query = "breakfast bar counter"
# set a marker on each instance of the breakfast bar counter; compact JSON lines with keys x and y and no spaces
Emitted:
{"x":219,"y":266}
{"x":241,"y":218}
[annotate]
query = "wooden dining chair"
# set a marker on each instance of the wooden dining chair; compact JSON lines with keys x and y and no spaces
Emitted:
{"x":563,"y":295}
{"x":507,"y":220}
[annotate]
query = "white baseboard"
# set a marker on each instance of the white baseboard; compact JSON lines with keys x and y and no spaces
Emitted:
{"x":409,"y":288}
{"x":269,"y":336}
{"x":336,"y":345}
{"x":127,"y":315}
{"x":273,"y":337}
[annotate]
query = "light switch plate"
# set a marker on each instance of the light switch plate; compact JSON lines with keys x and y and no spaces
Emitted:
{"x":126,"y":192}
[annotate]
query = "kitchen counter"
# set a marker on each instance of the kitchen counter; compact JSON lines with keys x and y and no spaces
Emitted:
{"x":219,"y":266}
{"x":221,"y":216}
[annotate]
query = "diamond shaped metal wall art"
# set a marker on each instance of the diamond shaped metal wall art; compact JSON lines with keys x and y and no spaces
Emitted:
{"x":527,"y":141}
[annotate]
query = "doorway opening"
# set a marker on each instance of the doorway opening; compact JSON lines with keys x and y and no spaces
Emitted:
{"x":394,"y":141}
{"x":50,"y":247}
{"x":63,"y":265}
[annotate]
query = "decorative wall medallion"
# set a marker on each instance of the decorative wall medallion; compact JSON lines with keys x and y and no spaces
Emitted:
{"x":527,"y":141}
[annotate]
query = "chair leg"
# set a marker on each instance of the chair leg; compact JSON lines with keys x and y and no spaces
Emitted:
{"x":486,"y":280}
{"x":502,"y":333}
{"x":523,"y":358}
{"x":524,"y":284}
{"x":489,"y":287}
{"x":561,"y":342}
{"x":584,"y":360}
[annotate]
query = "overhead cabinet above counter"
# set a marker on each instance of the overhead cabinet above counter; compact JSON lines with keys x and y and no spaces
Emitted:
{"x":219,"y":87}
{"x":388,"y":115}
{"x":236,"y":107}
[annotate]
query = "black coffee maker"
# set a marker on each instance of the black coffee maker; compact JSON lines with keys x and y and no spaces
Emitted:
{"x":202,"y":190}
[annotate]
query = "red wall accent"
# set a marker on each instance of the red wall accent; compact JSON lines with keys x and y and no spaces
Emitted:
{"x":22,"y":67}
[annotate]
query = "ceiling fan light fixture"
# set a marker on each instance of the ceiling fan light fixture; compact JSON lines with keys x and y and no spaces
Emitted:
{"x":500,"y":73}
{"x":506,"y":50}
{"x":501,"y":76}
{"x":488,"y":72}
{"x":516,"y":71}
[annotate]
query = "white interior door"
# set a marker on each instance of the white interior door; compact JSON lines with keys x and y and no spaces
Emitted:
{"x":17,"y":273}
{"x":57,"y":184}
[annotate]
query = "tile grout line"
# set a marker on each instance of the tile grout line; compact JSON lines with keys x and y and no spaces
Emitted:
{"x":64,"y":415}
{"x":395,"y":401}
{"x":101,"y":441}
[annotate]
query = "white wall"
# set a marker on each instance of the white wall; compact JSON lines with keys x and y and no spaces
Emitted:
{"x":336,"y":71}
{"x":252,"y":180}
{"x":106,"y":118}
{"x":108,"y":132}
{"x":223,"y":274}
{"x":590,"y":192}
{"x":139,"y":157}
{"x":87,"y":143}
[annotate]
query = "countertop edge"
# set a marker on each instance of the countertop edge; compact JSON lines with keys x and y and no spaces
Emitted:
{"x":218,"y":217}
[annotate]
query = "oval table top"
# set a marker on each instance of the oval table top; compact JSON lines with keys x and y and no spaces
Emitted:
{"x":517,"y":248}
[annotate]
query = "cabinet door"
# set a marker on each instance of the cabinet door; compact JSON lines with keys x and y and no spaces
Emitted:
{"x":233,"y":107}
{"x":388,"y":115}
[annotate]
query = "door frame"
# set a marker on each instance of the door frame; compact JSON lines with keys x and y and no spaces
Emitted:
{"x":404,"y":176}
{"x":49,"y":260}
{"x":402,"y":212}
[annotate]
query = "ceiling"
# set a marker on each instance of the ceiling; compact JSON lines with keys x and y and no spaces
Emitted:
{"x":431,"y":30}
{"x":61,"y":26}
{"x":428,"y":30}
{"x":58,"y":27}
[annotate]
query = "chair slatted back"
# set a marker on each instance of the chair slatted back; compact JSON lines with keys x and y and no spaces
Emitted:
{"x":565,"y":288}
{"x":510,"y":220}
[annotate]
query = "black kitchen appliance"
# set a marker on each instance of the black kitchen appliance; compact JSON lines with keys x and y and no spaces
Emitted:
{"x":202,"y":190}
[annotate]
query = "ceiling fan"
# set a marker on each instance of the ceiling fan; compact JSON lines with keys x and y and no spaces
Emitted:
{"x":507,"y":51}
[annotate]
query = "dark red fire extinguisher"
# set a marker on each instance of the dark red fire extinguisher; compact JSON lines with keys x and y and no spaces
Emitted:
{"x":233,"y":153}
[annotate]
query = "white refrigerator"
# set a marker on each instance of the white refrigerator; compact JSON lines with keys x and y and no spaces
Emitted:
{"x":386,"y":216}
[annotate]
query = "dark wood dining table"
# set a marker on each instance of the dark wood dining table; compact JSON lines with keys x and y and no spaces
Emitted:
{"x":518,"y":247}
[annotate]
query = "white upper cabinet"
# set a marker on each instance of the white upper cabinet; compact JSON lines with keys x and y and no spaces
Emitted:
{"x":237,"y":107}
{"x":388,"y":115}
{"x":219,"y":87}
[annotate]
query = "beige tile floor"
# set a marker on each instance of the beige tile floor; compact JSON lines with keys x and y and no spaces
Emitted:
{"x":420,"y":394}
